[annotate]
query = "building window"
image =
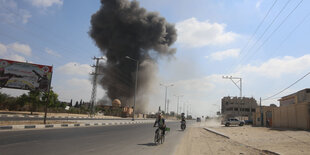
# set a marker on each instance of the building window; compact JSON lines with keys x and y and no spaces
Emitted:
{"x":229,"y":109}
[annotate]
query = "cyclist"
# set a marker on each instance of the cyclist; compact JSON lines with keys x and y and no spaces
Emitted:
{"x":161,"y":124}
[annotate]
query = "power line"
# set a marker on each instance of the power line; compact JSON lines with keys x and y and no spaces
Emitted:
{"x":268,"y":27}
{"x":257,"y":28}
{"x":291,"y":33}
{"x":286,"y":87}
{"x":259,"y":25}
{"x":277,"y":28}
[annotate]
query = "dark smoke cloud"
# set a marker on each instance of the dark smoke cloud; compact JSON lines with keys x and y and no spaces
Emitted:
{"x":122,"y":28}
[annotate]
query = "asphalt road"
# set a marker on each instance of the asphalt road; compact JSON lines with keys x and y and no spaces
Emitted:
{"x":125,"y":139}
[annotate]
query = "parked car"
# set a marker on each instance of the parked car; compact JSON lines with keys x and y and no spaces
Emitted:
{"x":233,"y":121}
{"x":198,"y":119}
{"x":248,"y":122}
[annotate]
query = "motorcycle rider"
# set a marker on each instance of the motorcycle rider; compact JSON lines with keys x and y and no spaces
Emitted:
{"x":161,"y":124}
{"x":183,"y":119}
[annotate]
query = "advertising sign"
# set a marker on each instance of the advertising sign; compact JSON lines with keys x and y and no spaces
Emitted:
{"x":27,"y":76}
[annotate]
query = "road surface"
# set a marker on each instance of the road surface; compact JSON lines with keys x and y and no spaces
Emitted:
{"x":124,"y":139}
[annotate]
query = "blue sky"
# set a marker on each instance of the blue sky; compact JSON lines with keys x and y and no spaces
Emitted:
{"x":212,"y":35}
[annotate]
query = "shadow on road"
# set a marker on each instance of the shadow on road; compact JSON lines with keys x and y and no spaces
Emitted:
{"x":181,"y":130}
{"x":148,"y":144}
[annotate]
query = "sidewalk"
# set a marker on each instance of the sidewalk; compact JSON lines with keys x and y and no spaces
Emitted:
{"x":75,"y":120}
{"x":199,"y":141}
{"x":50,"y":115}
{"x":275,"y":140}
{"x":79,"y":123}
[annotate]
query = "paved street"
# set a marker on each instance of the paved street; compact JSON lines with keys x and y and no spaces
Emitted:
{"x":124,"y":139}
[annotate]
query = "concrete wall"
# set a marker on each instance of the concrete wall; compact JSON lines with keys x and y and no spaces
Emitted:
{"x":257,"y":115}
{"x":292,"y":116}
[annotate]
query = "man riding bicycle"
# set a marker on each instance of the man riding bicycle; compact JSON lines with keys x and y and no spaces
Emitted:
{"x":161,"y":123}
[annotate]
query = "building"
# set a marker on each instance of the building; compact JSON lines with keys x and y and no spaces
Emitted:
{"x":263,"y":114}
{"x":294,"y":112}
{"x":242,"y":107}
{"x":298,"y":97}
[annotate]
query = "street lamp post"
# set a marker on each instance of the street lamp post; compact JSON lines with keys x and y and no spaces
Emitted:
{"x":166,"y":89}
{"x":178,"y":96}
{"x":136,"y":82}
{"x":218,"y":106}
{"x":235,"y":82}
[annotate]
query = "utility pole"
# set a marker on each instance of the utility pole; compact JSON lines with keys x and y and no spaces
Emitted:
{"x":239,"y":80}
{"x":136,"y":83}
{"x":94,"y":89}
{"x":261,"y":112}
{"x":166,"y":89}
{"x":168,"y":106}
{"x":235,"y":82}
{"x":187,"y":111}
{"x":178,"y":96}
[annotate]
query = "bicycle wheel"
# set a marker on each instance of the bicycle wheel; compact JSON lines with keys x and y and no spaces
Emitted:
{"x":162,"y":139}
{"x":156,"y":138}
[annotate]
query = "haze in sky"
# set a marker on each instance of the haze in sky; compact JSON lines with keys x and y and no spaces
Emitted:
{"x":263,"y":41}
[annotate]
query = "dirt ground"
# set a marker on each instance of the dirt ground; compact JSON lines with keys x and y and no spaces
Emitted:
{"x":288,"y":142}
{"x":198,"y":141}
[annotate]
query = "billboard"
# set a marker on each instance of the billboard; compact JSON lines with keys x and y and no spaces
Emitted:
{"x":26,"y":76}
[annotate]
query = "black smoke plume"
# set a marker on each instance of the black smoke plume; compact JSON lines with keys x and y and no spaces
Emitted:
{"x":122,"y":28}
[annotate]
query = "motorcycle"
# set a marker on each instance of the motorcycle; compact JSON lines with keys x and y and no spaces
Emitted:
{"x":183,"y":125}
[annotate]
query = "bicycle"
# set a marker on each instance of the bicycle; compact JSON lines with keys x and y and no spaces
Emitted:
{"x":159,"y":137}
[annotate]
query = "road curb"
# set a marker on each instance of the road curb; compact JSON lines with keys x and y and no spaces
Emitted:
{"x":44,"y":126}
{"x":217,"y":133}
{"x":270,"y":152}
{"x":53,"y":117}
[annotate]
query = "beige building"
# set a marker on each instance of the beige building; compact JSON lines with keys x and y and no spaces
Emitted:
{"x":263,"y":114}
{"x":294,"y":112}
{"x":298,"y":97}
{"x":292,"y":116}
{"x":241,"y":107}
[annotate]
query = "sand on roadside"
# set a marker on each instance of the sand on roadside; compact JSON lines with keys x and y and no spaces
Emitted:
{"x":198,"y":141}
{"x":276,"y":140}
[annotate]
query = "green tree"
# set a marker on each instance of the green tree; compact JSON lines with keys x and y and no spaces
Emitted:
{"x":76,"y":104}
{"x":3,"y":101}
{"x":53,"y":99}
{"x":34,"y":99}
{"x":70,"y":104}
{"x":22,"y":101}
